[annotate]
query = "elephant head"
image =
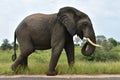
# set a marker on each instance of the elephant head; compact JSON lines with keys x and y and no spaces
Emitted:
{"x":77,"y":22}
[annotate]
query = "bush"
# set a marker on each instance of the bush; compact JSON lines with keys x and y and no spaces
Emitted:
{"x":103,"y":55}
{"x":5,"y":45}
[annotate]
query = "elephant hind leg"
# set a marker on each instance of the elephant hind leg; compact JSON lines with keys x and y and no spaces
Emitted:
{"x":26,"y":49}
{"x":24,"y":62}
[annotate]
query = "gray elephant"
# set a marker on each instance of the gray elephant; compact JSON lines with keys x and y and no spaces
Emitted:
{"x":56,"y":31}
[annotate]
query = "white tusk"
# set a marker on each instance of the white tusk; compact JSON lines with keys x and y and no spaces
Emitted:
{"x":96,"y":45}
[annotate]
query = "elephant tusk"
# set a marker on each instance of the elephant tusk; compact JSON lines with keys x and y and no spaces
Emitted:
{"x":96,"y":45}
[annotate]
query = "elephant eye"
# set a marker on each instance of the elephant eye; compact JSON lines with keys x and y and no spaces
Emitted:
{"x":85,"y":24}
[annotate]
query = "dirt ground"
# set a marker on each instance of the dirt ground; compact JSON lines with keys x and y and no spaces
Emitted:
{"x":63,"y":76}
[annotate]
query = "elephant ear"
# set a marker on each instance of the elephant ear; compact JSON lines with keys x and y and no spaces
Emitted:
{"x":66,"y":17}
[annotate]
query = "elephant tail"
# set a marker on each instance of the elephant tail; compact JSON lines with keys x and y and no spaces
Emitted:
{"x":14,"y":56}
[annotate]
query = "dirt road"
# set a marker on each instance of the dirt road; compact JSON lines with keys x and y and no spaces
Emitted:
{"x":61,"y":77}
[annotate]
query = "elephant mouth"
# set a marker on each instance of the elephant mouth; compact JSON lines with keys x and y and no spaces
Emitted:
{"x":89,"y":47}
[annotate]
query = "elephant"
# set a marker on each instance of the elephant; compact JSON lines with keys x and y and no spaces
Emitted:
{"x":53,"y":31}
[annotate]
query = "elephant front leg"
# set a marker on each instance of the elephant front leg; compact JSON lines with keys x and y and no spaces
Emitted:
{"x":69,"y":49}
{"x":56,"y":51}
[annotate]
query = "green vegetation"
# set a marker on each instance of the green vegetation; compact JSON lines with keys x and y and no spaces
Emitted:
{"x":7,"y":46}
{"x":105,"y":60}
{"x":39,"y":62}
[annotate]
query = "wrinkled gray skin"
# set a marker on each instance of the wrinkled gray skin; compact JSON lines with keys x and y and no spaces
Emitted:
{"x":56,"y":31}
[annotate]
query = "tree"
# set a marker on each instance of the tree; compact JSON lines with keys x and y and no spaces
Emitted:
{"x":100,"y":39}
{"x":108,"y":44}
{"x":118,"y":43}
{"x":5,"y":45}
{"x":83,"y":42}
{"x":77,"y":40}
{"x":113,"y":41}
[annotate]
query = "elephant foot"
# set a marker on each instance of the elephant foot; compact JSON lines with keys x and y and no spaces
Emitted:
{"x":71,"y":64}
{"x":13,"y":68}
{"x":51,"y":73}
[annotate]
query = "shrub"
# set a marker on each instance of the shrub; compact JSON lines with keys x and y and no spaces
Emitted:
{"x":103,"y":55}
{"x":5,"y":45}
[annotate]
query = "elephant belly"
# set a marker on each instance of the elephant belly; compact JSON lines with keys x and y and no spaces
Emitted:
{"x":42,"y":44}
{"x":42,"y":47}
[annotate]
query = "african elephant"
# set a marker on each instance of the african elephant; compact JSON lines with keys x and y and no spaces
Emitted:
{"x":56,"y":31}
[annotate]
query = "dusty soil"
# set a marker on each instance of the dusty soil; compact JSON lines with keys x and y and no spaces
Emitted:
{"x":63,"y":76}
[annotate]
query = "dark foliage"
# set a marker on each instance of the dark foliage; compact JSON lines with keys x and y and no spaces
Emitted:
{"x":6,"y":45}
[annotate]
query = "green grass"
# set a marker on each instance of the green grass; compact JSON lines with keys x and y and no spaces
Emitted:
{"x":39,"y":62}
{"x":85,"y":67}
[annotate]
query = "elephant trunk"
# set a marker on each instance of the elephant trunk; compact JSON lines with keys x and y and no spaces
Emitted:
{"x":88,"y":48}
